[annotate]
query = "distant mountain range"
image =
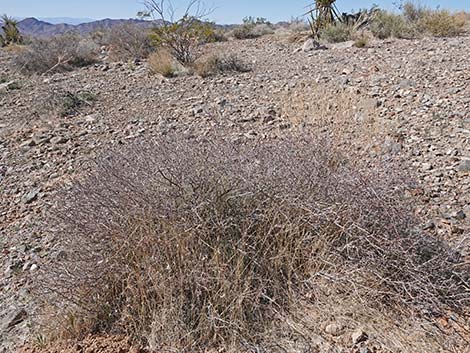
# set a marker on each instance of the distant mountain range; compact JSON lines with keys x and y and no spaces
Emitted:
{"x":67,"y":20}
{"x":37,"y":28}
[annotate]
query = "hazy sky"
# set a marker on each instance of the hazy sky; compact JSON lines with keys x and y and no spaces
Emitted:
{"x":226,"y":11}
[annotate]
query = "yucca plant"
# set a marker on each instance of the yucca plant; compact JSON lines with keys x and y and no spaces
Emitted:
{"x":11,"y":33}
{"x":322,"y":14}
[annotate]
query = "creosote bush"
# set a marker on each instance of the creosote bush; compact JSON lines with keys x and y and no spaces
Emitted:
{"x":194,"y":245}
{"x":183,"y":37}
{"x":57,"y":54}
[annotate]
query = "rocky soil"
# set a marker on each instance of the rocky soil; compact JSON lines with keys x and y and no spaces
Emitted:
{"x":403,"y":101}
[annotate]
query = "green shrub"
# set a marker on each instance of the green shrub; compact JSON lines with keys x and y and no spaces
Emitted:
{"x":182,"y":37}
{"x":336,"y":33}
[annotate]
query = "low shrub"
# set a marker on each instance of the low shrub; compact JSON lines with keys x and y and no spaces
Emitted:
{"x":182,"y":37}
{"x":414,"y":12}
{"x":219,"y":36}
{"x":336,"y":33}
{"x":252,"y":28}
{"x":441,"y":23}
{"x":361,"y":42}
{"x":213,"y":64}
{"x":260,"y":30}
{"x":195,"y":245}
{"x":128,"y":42}
{"x":163,"y":63}
{"x":386,"y":25}
{"x":57,"y":54}
{"x":243,"y":32}
{"x":251,"y":31}
{"x":67,"y":103}
{"x":298,"y":25}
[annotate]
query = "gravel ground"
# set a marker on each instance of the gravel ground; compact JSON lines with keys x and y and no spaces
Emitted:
{"x":403,"y":101}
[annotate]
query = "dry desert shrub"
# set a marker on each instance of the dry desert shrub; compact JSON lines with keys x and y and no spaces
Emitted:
{"x":163,"y":63}
{"x":252,"y":28}
{"x":441,"y":23}
{"x":57,"y":54}
{"x":217,"y":63}
{"x":337,"y":33}
{"x":66,"y":102}
{"x":385,"y":25}
{"x":192,"y":245}
{"x":416,"y":20}
{"x":128,"y":42}
{"x":361,"y":42}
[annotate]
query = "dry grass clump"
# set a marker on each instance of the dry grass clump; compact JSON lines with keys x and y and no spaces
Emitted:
{"x":128,"y":42}
{"x":416,"y":20}
{"x":162,"y":62}
{"x":57,"y":54}
{"x":361,"y":42}
{"x":193,"y":245}
{"x":442,"y":23}
{"x":212,"y":64}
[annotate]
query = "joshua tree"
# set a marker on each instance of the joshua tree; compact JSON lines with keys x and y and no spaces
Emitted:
{"x":11,"y":33}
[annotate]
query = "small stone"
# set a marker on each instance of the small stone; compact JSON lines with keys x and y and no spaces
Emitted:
{"x":14,"y":318}
{"x":7,"y":86}
{"x":334,"y":329}
{"x":429,"y":225}
{"x":91,"y":118}
{"x":30,"y":196}
{"x":59,"y":140}
{"x":311,"y":44}
{"x":33,"y":268}
{"x":28,"y":143}
{"x":426,"y":166}
{"x":359,"y":336}
{"x":460,"y":215}
{"x":464,"y":166}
